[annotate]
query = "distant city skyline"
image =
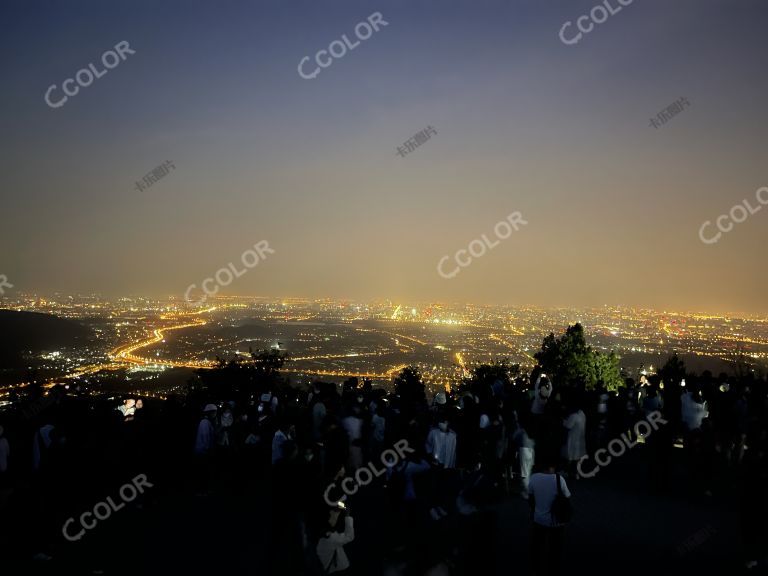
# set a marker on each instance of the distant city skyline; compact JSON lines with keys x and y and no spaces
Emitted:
{"x":98,"y":339}
{"x":5,"y":302}
{"x":394,"y":302}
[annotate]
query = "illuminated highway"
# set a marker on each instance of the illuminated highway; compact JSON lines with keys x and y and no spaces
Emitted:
{"x":444,"y":342}
{"x":512,"y":347}
{"x":126,"y":353}
{"x":383,"y":376}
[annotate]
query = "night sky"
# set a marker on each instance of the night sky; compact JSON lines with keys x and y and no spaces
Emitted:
{"x":560,"y":133}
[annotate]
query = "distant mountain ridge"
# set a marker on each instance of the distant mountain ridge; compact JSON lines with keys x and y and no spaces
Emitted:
{"x":21,"y":332}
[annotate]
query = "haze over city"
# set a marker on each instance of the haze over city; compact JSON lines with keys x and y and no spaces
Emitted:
{"x":523,"y":123}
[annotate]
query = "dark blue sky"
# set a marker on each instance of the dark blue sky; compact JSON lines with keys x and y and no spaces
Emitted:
{"x":524,"y":123}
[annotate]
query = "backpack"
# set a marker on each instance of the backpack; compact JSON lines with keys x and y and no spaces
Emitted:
{"x":561,"y":510}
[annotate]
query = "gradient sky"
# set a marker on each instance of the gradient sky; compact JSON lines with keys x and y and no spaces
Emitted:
{"x":524,"y":123}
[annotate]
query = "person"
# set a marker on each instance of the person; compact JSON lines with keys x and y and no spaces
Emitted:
{"x":127,"y":408}
{"x":542,"y":392}
{"x":330,"y":546}
{"x":353,"y":426}
{"x":378,"y":431}
{"x":600,"y":430}
{"x":602,"y":401}
{"x":5,"y":451}
{"x":226,"y":422}
{"x":546,"y":531}
{"x":319,"y":412}
{"x":206,"y":432}
{"x":282,"y":435}
{"x":576,"y":441}
{"x":41,"y":445}
{"x":524,"y":446}
{"x":694,"y":410}
{"x":441,"y":443}
{"x":652,"y":402}
{"x":204,"y":446}
{"x":439,"y":402}
{"x":412,"y":468}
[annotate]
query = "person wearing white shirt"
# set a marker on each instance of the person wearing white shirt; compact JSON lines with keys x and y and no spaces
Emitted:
{"x":378,"y":432}
{"x":206,"y":433}
{"x":576,"y":442}
{"x":318,"y":416}
{"x":330,"y":547}
{"x":546,"y":533}
{"x":353,"y":426}
{"x":694,"y":410}
{"x":278,"y":440}
{"x":542,"y":392}
{"x":441,"y":444}
{"x":524,"y":445}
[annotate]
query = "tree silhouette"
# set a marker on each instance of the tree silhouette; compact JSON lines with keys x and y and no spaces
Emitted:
{"x":483,"y":377}
{"x":673,"y":370}
{"x":743,"y":366}
{"x":409,"y":387}
{"x":240,"y":378}
{"x":570,"y":362}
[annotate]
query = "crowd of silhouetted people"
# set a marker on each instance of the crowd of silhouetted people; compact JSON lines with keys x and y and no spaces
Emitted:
{"x":356,"y":479}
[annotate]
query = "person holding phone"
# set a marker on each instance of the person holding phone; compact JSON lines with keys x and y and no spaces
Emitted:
{"x":339,"y":531}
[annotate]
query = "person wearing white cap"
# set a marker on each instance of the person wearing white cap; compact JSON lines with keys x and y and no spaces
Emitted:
{"x":206,"y":432}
